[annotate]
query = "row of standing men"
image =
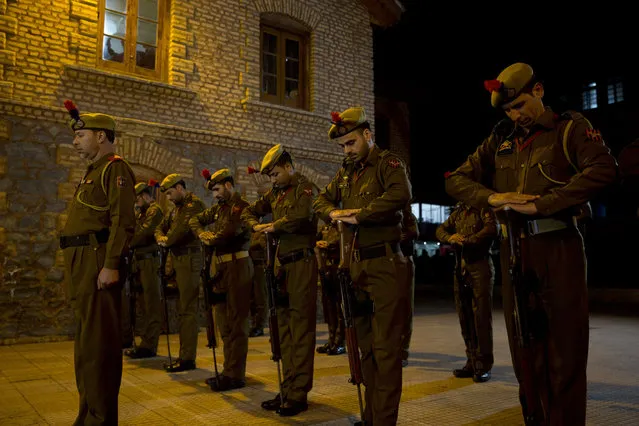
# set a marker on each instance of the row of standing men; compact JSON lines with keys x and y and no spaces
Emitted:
{"x":535,"y":170}
{"x":369,"y":193}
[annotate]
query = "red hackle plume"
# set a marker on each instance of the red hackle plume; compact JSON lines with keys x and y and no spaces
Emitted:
{"x":492,"y":85}
{"x":250,"y":170}
{"x":153,"y":182}
{"x":335,"y":118}
{"x":73,"y":110}
{"x":206,"y":174}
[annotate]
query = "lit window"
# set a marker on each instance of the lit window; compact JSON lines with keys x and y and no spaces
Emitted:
{"x":283,"y":71}
{"x":131,"y":38}
{"x":615,"y":91}
{"x":590,"y":96}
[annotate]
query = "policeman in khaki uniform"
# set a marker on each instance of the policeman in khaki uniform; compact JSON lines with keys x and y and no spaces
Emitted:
{"x":328,"y":244}
{"x":184,"y":246}
{"x":294,"y":224}
{"x":410,"y":232}
{"x":370,"y":191}
{"x":146,"y":269}
{"x":542,"y":166}
{"x":473,"y":232}
{"x":258,"y":288}
{"x":230,"y":237}
{"x":100,"y":224}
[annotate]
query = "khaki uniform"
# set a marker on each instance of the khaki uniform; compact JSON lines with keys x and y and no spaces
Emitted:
{"x":99,"y":226}
{"x":479,"y":228}
{"x":234,"y":273}
{"x":258,"y":287}
{"x":537,"y":164}
{"x":331,"y":297}
{"x":187,"y":263}
{"x":146,"y":265}
{"x":410,"y":232}
{"x":295,"y":227}
{"x":380,"y":188}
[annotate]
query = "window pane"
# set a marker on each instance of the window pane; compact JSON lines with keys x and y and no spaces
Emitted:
{"x":291,"y":91}
{"x":292,"y":49}
{"x":292,"y":69}
{"x":269,"y":64}
{"x":269,"y":43}
{"x":269,"y":85}
{"x":114,"y":24}
{"x":148,"y":9}
{"x":145,"y":56}
{"x":118,"y":5}
{"x":146,"y":32}
{"x":113,"y":49}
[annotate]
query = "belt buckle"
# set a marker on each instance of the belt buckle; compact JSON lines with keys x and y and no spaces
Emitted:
{"x":533,"y":227}
{"x":356,"y":255}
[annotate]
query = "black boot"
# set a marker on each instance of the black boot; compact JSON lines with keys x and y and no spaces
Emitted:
{"x":180,"y":365}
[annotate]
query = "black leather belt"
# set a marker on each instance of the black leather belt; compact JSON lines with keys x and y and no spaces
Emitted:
{"x":84,"y":240}
{"x":296,"y":255}
{"x":373,"y":252}
{"x":181,"y":251}
{"x":143,"y":256}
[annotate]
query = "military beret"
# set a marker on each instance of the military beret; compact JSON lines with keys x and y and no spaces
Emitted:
{"x":170,"y":181}
{"x":509,"y":83}
{"x":271,"y":158}
{"x":90,"y":121}
{"x":345,"y":122}
{"x":215,"y":178}
{"x":141,"y":186}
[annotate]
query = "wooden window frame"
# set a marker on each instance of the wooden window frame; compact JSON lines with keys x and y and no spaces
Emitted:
{"x":284,"y":34}
{"x":129,"y":66}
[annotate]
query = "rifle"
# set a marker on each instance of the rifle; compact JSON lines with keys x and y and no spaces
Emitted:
{"x":130,"y":292}
{"x":163,"y":288}
{"x":321,"y":269}
{"x":524,"y":307}
{"x":346,"y":290}
{"x":207,"y":286}
{"x":466,"y":297}
{"x":272,"y":287}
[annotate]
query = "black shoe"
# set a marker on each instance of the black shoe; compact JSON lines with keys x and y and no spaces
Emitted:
{"x":272,"y":404}
{"x":292,"y":408}
{"x":225,"y":383}
{"x":256,"y":332}
{"x":481,"y":377}
{"x":336,"y":350}
{"x":137,"y":353}
{"x":405,"y":363}
{"x":323,"y":349}
{"x":180,"y":365}
{"x":464,"y":372}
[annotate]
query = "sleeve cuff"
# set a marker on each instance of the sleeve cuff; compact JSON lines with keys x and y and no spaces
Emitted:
{"x":112,"y":263}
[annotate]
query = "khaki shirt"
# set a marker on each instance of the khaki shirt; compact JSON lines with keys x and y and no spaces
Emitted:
{"x":382,"y":202}
{"x":479,"y":227}
{"x":536,"y":164}
{"x":105,"y":199}
{"x":230,"y":233}
{"x":175,"y":224}
{"x":146,"y":223}
{"x":294,"y":222}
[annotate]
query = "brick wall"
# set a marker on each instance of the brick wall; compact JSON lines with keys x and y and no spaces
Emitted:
{"x":396,"y":114}
{"x":205,"y":114}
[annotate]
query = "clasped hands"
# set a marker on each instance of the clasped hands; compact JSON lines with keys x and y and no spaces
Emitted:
{"x":346,"y":215}
{"x":521,"y":203}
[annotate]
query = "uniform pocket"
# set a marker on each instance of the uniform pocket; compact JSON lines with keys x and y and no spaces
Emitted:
{"x":506,"y":173}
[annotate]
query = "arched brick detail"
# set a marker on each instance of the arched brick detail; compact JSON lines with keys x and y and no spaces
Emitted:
{"x":147,"y":153}
{"x":303,"y":13}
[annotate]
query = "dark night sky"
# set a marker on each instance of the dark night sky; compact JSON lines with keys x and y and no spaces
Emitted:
{"x":437,"y":61}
